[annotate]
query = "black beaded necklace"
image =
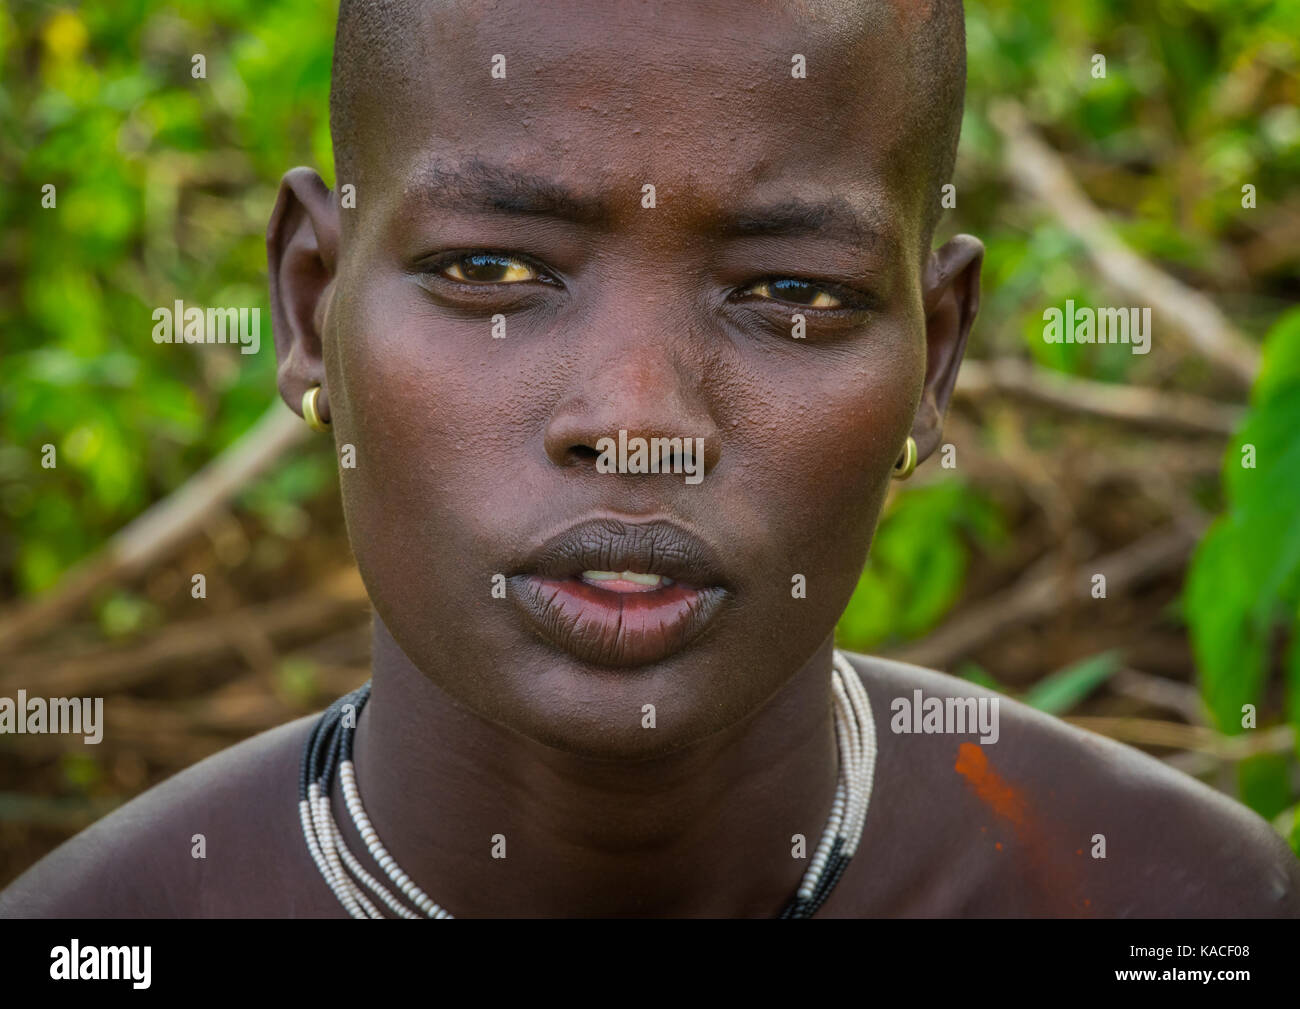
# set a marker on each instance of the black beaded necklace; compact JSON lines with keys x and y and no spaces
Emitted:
{"x":329,"y":748}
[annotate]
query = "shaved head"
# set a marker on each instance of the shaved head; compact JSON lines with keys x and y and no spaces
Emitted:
{"x":384,"y":48}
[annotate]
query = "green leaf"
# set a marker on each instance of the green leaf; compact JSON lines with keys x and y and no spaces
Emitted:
{"x":1245,"y":575}
{"x":81,"y":771}
{"x":1264,"y":781}
{"x":1062,"y":690}
{"x":1230,"y":653}
{"x":1279,"y":360}
{"x":918,"y":563}
{"x":1293,"y":681}
{"x":976,"y":673}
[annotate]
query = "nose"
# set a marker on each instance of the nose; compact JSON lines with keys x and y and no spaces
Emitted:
{"x":642,"y":386}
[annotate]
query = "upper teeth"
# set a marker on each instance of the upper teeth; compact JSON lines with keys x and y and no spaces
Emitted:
{"x":628,"y":576}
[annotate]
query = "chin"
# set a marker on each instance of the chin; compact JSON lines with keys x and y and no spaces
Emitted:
{"x":599,"y":713}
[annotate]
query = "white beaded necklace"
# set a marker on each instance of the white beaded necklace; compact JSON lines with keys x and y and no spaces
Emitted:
{"x":330,"y":744}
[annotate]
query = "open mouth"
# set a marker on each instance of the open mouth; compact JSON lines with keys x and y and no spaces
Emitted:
{"x":612,"y":593}
{"x":625,"y":581}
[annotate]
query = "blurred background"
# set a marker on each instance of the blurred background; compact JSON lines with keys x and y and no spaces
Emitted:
{"x":1172,"y":182}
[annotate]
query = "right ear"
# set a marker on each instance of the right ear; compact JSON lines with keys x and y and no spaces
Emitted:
{"x":302,"y":241}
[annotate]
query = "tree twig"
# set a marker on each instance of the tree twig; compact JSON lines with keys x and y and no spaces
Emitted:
{"x":1039,"y":170}
{"x":163,"y":527}
{"x":1161,"y":692}
{"x":1196,"y":738}
{"x":1041,"y":593}
{"x":1151,"y":408}
{"x":284,"y":622}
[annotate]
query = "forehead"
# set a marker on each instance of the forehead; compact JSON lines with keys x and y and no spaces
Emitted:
{"x":696,"y":98}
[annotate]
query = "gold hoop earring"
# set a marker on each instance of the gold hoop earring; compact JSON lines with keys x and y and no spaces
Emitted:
{"x":907,"y":461}
{"x":310,"y":412}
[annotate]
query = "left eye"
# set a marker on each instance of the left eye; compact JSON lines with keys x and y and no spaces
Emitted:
{"x":488,"y":268}
{"x":795,"y":292}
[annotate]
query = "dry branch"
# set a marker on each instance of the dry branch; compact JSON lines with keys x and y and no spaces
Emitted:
{"x":1195,"y":738}
{"x":162,"y":528}
{"x":1161,"y":692}
{"x":1042,"y":593}
{"x":1039,"y":170}
{"x":104,"y":671}
{"x":1151,"y":408}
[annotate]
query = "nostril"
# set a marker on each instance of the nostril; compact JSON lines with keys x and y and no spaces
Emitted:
{"x":579,"y":454}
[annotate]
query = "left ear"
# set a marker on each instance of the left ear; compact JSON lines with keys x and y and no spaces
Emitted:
{"x":951,"y":296}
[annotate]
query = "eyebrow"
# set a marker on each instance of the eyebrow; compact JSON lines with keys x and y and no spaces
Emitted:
{"x":834,"y":218}
{"x":483,"y":186}
{"x":480,"y":185}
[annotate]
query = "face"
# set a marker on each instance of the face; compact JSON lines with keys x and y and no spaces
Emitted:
{"x":510,"y":300}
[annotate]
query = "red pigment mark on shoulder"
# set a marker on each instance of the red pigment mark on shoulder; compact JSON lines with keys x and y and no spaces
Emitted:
{"x":991,"y":787}
{"x":1044,"y":853}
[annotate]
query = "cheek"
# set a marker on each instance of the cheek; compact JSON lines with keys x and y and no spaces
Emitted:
{"x":423,"y":432}
{"x":430,"y":403}
{"x":825,"y":439}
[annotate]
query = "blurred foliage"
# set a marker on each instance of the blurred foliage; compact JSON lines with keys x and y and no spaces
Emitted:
{"x":1244,"y":582}
{"x":164,"y":184}
{"x":918,"y":563}
{"x":1056,"y":693}
{"x":163,"y":187}
{"x":1200,"y":98}
{"x":1059,"y":692}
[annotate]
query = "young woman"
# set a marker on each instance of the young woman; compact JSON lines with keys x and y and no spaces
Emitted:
{"x":623,"y":322}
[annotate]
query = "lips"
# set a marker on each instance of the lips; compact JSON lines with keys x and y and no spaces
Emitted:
{"x":576,"y":593}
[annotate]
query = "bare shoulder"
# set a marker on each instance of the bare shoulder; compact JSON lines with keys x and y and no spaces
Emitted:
{"x":1045,"y":818}
{"x":218,"y":839}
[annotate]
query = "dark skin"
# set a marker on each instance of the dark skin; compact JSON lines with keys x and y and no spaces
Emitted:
{"x":470,"y":451}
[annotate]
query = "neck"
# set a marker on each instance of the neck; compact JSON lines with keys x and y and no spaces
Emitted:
{"x":704,"y":831}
